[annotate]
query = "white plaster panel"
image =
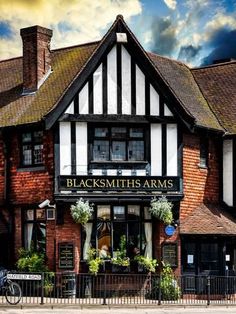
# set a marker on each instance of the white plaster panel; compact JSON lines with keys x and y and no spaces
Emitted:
{"x":81,"y":148}
{"x":140,"y":92}
{"x":154,"y":102}
{"x":126,"y":81}
{"x":111,"y":172}
{"x":97,"y":172}
{"x":83,"y":100}
{"x":228,"y":172}
{"x":156,"y":150}
{"x":167,"y":112}
{"x":172,"y":149}
{"x":65,"y":148}
{"x":140,"y":172}
{"x":97,"y":91}
{"x":70,"y":109}
{"x":112,"y":82}
{"x":126,"y":172}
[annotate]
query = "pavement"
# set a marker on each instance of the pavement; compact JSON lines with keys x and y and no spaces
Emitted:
{"x":116,"y":310}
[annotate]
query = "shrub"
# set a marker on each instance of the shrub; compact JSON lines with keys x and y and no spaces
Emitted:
{"x":147,"y":263}
{"x":162,"y":209}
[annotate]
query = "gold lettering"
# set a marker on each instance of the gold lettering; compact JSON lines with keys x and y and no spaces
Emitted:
{"x":102,"y":183}
{"x":170,"y":184}
{"x":69,"y":183}
{"x":153,"y":184}
{"x":89,"y":185}
{"x":110,"y":184}
{"x":137,"y":183}
{"x":146,"y":184}
{"x":162,"y":184}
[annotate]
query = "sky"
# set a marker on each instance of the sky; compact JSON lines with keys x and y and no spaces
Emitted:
{"x":196,"y":32}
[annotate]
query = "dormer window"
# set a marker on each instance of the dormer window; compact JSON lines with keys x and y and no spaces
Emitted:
{"x":32,"y":148}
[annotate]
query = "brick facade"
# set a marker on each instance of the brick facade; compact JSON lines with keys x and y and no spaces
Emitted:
{"x":200,"y":185}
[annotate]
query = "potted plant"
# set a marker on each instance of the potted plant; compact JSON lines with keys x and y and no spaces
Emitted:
{"x":120,"y":259}
{"x":148,"y":264}
{"x":94,"y":261}
{"x":162,"y":209}
{"x":81,"y":212}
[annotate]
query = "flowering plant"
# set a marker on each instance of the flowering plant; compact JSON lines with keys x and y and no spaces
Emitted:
{"x":161,"y":209}
{"x":82,"y":211}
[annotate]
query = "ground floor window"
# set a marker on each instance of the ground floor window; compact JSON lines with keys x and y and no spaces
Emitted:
{"x":114,"y":226}
{"x":34,"y":229}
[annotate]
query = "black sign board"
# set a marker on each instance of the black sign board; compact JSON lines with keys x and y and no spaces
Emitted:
{"x":169,"y":254}
{"x":118,"y":183}
{"x":66,"y":255}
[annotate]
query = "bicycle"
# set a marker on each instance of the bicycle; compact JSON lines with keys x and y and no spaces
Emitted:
{"x":12,"y":290}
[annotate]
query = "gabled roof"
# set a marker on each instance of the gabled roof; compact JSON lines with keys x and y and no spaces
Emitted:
{"x":72,"y":67}
{"x":208,"y":219}
{"x":218,"y":85}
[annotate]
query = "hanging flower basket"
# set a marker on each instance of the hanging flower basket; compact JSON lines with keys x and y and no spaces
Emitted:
{"x":81,"y":212}
{"x":162,"y":209}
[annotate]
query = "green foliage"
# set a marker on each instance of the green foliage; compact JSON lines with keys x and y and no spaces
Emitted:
{"x":94,"y":261}
{"x":169,"y":286}
{"x":162,"y":209}
{"x":121,"y":258}
{"x":147,"y":263}
{"x":31,"y":261}
{"x":81,"y":212}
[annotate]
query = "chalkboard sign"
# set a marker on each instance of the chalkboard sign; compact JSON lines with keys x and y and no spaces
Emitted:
{"x":169,"y":254}
{"x":66,"y":255}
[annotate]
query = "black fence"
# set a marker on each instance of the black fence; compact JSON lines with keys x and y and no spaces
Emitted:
{"x":118,"y":289}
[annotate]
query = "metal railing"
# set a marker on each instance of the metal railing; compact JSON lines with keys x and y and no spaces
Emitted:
{"x":118,"y":289}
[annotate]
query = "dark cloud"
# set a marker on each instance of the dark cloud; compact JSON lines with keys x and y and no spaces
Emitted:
{"x":188,"y":53}
{"x":163,"y":36}
{"x":223,"y":44}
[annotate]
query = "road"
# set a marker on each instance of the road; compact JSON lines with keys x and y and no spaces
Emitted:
{"x":118,"y":310}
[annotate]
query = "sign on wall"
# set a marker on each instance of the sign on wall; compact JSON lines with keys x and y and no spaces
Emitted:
{"x":116,"y":183}
{"x":66,"y":255}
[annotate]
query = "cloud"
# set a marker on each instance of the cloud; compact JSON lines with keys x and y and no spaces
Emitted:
{"x":171,"y":4}
{"x":188,"y":53}
{"x":223,"y":45}
{"x":73,"y":21}
{"x":163,"y":36}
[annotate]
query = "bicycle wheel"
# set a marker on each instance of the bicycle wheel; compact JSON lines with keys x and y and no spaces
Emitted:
{"x":13,"y":293}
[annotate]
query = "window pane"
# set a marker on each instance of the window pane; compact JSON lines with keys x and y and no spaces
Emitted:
{"x":101,"y":150}
{"x":38,"y":154}
{"x":136,"y":132}
{"x":104,"y":212}
{"x":40,"y":214}
{"x":119,"y":237}
{"x":118,"y":150}
{"x":27,"y":155}
{"x":29,"y":214}
{"x":40,"y":236}
{"x":38,"y":136}
{"x":119,"y":212}
{"x":118,"y":132}
{"x":133,"y":239}
{"x":28,"y":235}
{"x":101,"y":132}
{"x":136,"y":150}
{"x":104,"y":238}
{"x":133,"y":212}
{"x":209,"y":256}
{"x":26,"y":137}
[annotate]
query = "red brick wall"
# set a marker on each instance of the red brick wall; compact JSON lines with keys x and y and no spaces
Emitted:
{"x":199,"y":185}
{"x":31,"y":187}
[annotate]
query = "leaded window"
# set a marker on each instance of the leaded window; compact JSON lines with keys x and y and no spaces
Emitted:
{"x":32,"y":148}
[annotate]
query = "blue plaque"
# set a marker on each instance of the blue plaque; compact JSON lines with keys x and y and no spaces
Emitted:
{"x":169,"y":230}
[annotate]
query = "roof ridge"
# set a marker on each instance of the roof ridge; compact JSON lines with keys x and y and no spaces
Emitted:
{"x":13,"y":58}
{"x":213,"y":65}
{"x":168,"y":58}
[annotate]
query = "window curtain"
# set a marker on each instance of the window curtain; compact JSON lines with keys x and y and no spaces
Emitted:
{"x":29,"y":229}
{"x":148,"y":234}
{"x":88,"y":230}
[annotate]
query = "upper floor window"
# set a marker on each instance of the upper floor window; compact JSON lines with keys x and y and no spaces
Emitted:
{"x":32,"y":148}
{"x":203,"y":152}
{"x":118,"y":144}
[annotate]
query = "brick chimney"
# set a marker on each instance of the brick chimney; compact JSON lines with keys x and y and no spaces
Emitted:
{"x":36,"y":57}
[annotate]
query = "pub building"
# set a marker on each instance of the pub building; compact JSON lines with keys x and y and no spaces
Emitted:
{"x":115,"y":125}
